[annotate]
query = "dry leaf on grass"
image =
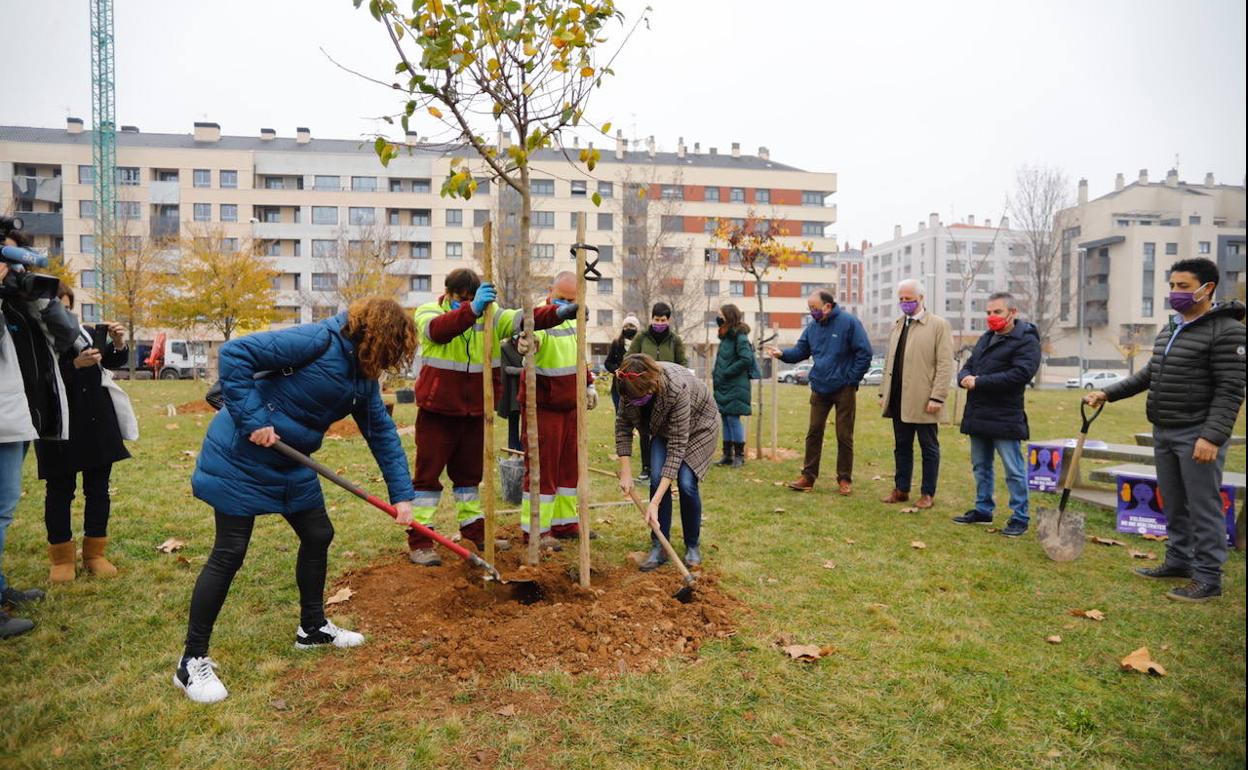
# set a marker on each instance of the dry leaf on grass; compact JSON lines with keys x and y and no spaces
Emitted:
{"x":343,"y":594}
{"x":1053,"y":754}
{"x":188,"y":452}
{"x":1105,"y":540}
{"x":778,"y":510}
{"x":778,"y":741}
{"x":807,"y":653}
{"x":993,"y":530}
{"x":877,"y":478}
{"x":876,"y":606}
{"x":506,"y":711}
{"x":171,"y":426}
{"x":279,"y":704}
{"x":1143,"y":555}
{"x":1140,"y":661}
{"x":849,"y":541}
{"x":784,"y":639}
{"x":171,"y":545}
{"x":348,"y":554}
{"x":1157,"y":538}
{"x":829,"y":565}
{"x":910,"y":510}
{"x":1055,"y":639}
{"x":918,"y":545}
{"x":1089,"y":614}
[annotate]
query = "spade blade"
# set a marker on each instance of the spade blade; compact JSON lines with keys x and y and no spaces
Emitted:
{"x":1061,"y":534}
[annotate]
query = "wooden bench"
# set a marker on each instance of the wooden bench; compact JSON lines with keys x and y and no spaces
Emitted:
{"x":1146,"y":439}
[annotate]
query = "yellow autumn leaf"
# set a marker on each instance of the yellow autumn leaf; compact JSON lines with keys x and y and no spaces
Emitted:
{"x":529,"y":50}
{"x":434,"y":111}
{"x":587,"y":72}
{"x":558,"y":65}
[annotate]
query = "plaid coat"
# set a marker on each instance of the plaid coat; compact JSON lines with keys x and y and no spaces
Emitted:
{"x":683,"y":413}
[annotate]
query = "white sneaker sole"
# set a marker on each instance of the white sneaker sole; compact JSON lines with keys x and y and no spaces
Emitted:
{"x":191,"y":698}
{"x":302,"y":646}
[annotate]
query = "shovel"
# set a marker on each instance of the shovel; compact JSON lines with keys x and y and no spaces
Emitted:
{"x":523,"y":591}
{"x":1061,"y":532}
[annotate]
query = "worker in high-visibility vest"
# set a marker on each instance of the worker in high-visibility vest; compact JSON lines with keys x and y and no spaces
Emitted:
{"x":450,"y":421}
{"x":555,"y":362}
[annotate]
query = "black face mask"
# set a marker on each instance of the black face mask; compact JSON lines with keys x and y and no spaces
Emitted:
{"x":629,"y":334}
{"x":720,"y":322}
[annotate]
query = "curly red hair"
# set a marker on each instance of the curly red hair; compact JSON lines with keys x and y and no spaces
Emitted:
{"x":384,"y":334}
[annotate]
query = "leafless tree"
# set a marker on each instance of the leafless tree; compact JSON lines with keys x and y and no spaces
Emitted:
{"x":1040,"y":196}
{"x":365,"y":260}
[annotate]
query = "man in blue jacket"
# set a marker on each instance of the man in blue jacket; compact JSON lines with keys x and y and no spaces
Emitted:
{"x":838,"y":345}
{"x":995,"y":377}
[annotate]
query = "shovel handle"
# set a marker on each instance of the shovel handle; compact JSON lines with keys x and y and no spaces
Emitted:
{"x":1088,"y":420}
{"x":299,"y":457}
{"x":658,"y":533}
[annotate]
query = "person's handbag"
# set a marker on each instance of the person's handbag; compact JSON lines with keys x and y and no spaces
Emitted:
{"x":216,"y":397}
{"x":127,"y":422}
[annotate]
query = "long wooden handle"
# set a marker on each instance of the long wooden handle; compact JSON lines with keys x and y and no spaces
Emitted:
{"x":667,"y":546}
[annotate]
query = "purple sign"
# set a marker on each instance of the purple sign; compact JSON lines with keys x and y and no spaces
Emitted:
{"x":1044,"y":467}
{"x":1142,"y":511}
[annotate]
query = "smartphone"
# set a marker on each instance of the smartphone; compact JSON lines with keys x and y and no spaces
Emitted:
{"x":99,"y":336}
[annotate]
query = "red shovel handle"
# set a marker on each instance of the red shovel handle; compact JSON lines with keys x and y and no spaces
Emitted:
{"x":299,"y":457}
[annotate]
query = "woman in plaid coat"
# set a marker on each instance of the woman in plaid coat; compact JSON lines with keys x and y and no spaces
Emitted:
{"x":684,"y":424}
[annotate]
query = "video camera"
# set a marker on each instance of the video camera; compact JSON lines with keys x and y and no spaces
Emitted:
{"x":29,"y":285}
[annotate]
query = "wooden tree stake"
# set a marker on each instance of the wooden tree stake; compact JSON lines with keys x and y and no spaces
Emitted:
{"x":487,"y":401}
{"x":582,"y":437}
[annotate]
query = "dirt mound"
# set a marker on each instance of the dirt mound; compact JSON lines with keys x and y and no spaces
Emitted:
{"x":344,"y":429}
{"x":782,"y":453}
{"x":443,"y":617}
{"x":195,"y":407}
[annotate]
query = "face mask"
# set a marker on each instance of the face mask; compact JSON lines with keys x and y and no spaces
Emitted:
{"x":997,"y":323}
{"x":455,"y":304}
{"x":719,"y":322}
{"x":630,"y":333}
{"x":658,"y":328}
{"x":817,"y":314}
{"x":1182,"y":301}
{"x":561,"y":302}
{"x":909,"y":307}
{"x":641,"y":401}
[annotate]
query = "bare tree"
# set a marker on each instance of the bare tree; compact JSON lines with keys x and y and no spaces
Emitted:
{"x":1040,"y":195}
{"x":365,"y":259}
{"x":969,"y":270}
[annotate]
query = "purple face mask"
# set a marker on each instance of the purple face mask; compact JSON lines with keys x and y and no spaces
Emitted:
{"x":909,"y":306}
{"x":1182,"y":301}
{"x":658,"y":328}
{"x":641,"y":401}
{"x":817,"y":314}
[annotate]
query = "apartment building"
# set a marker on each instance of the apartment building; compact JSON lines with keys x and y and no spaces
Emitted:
{"x":302,"y":199}
{"x":960,"y":265}
{"x":1116,"y":251}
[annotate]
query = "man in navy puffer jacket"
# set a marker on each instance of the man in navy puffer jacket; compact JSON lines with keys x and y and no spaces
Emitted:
{"x":841,"y":352}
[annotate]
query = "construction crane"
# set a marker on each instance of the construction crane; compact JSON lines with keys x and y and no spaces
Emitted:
{"x":104,"y":141}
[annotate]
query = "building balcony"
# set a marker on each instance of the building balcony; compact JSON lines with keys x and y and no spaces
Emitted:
{"x":164,"y":193}
{"x":1094,"y":266}
{"x":37,"y":188}
{"x":165,"y":227}
{"x":41,"y":223}
{"x":1097,"y":292}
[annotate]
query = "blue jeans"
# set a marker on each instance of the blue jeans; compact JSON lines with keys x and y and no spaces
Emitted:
{"x":11,"y":455}
{"x":1011,"y":453}
{"x":690,"y":498}
{"x":734,"y":429}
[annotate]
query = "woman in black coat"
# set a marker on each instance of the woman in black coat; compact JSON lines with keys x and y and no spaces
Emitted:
{"x":94,"y":444}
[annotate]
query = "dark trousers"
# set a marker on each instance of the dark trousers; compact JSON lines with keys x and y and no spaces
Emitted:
{"x":647,"y":458}
{"x":845,"y":402}
{"x":1191,"y":495}
{"x":60,"y":496}
{"x":315,"y":533}
{"x":690,"y":498}
{"x":513,"y":432}
{"x":903,"y":454}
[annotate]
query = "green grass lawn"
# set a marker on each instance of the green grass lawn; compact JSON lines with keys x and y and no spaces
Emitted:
{"x":940,"y":656}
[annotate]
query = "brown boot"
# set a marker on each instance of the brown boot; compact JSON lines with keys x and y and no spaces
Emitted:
{"x":63,"y":557}
{"x":896,"y":496}
{"x":802,"y":484}
{"x":93,"y":557}
{"x":925,"y":502}
{"x":844,"y":488}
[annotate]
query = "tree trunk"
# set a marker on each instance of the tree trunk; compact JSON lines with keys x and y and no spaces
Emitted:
{"x":758,"y":423}
{"x":530,"y":374}
{"x":134,"y":348}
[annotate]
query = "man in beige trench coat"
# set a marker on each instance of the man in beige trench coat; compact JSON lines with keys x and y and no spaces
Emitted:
{"x":917,"y":371}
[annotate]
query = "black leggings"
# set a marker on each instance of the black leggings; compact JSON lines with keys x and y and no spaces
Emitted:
{"x":60,"y":495}
{"x":315,"y":533}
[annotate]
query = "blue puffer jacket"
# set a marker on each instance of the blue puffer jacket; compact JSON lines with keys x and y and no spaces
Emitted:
{"x":1002,"y":365}
{"x":238,"y":477}
{"x":839,"y":348}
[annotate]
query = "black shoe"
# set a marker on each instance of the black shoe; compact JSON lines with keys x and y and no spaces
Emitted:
{"x":1195,"y":591}
{"x":738,"y":454}
{"x":1164,"y":571}
{"x":656,"y":558}
{"x":1014,"y":528}
{"x":973,"y":517}
{"x":727,"y":458}
{"x":645,"y":475}
{"x":15,"y":598}
{"x":11,"y":626}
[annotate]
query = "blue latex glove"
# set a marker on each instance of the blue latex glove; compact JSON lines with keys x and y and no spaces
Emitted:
{"x":484,"y":296}
{"x":566,"y":312}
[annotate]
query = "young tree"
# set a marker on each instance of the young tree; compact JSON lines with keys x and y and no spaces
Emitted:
{"x":755,"y":249}
{"x":1041,"y":194}
{"x":530,"y":66}
{"x":138,"y":273}
{"x":222,"y":285}
{"x":970,"y":268}
{"x":364,"y":260}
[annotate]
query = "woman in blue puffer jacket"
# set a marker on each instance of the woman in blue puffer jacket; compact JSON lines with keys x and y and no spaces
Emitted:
{"x":316,"y":374}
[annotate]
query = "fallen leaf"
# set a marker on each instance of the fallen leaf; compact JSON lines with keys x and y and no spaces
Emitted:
{"x":749,"y":716}
{"x":1165,"y":647}
{"x":829,"y":565}
{"x":876,"y":606}
{"x":1143,"y":555}
{"x":777,"y":483}
{"x":278,"y":704}
{"x":778,"y":740}
{"x":1140,"y":661}
{"x":783,"y":639}
{"x":1105,"y":540}
{"x":59,"y":751}
{"x":348,"y":554}
{"x":778,"y":510}
{"x":909,"y":510}
{"x":506,"y":711}
{"x":171,"y":545}
{"x":1053,"y":754}
{"x":184,"y":561}
{"x":849,"y":541}
{"x":993,"y":530}
{"x":171,"y":426}
{"x":188,"y":452}
{"x":1055,"y":639}
{"x":1096,"y":615}
{"x":918,"y":544}
{"x":1157,"y":538}
{"x":807,"y":653}
{"x":343,"y":594}
{"x":877,"y":478}
{"x":772,"y":580}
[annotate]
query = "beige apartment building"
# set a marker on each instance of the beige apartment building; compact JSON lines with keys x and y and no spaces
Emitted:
{"x":302,"y":200}
{"x":1116,"y":253}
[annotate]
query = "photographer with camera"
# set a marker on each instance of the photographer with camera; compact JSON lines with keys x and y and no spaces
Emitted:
{"x":36,"y":331}
{"x":97,"y":411}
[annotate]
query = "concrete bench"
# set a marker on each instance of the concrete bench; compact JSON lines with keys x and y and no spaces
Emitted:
{"x":1111,"y":474}
{"x":1146,"y":439}
{"x":1123,"y":453}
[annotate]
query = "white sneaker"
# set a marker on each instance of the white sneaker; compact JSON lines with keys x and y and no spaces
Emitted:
{"x":196,"y":678}
{"x":327,"y":634}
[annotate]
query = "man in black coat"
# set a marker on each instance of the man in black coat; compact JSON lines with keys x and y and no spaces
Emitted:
{"x":995,"y":377}
{"x":1195,"y":384}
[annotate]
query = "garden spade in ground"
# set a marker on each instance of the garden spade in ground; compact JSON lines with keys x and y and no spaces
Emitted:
{"x":522,"y":590}
{"x":1061,"y":532}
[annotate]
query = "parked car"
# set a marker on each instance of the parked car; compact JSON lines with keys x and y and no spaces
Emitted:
{"x":1094,"y":380}
{"x":874,"y":376}
{"x":798,"y":375}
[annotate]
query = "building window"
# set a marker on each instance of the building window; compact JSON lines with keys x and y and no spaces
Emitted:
{"x":392,"y":217}
{"x":671,"y":224}
{"x":710,"y":225}
{"x":578,"y":188}
{"x":324,"y":282}
{"x":229,"y":245}
{"x":86,"y":209}
{"x":274,"y":183}
{"x":88,"y":279}
{"x":606,"y":253}
{"x":1172,"y":249}
{"x":90,"y":312}
{"x":228,"y":178}
{"x":606,"y":221}
{"x":128,"y":210}
{"x":606,"y":286}
{"x":298,"y":251}
{"x":324,"y":215}
{"x":813,"y":229}
{"x":128,"y":176}
{"x":454,"y":250}
{"x":736,"y":195}
{"x":480,"y":217}
{"x":273,"y":248}
{"x":544,"y":220}
{"x":421,"y":283}
{"x":606,"y":318}
{"x":542,"y":187}
{"x":422,"y":250}
{"x":483,"y":186}
{"x":543,"y":251}
{"x":1194,"y":219}
{"x":606,"y":189}
{"x":1203,"y":247}
{"x":361,"y":215}
{"x":396,"y":185}
{"x":364,"y":184}
{"x":86,"y":175}
{"x":712,"y":194}
{"x":271,"y":215}
{"x":672,"y":192}
{"x":86,"y":244}
{"x":326,"y":182}
{"x":736,"y":288}
{"x":321,"y":312}
{"x":710,"y":288}
{"x":421,"y":186}
{"x":812,"y":198}
{"x":323,"y":249}
{"x":762,"y":196}
{"x":1150,"y":254}
{"x":454,"y":218}
{"x":1146,"y":307}
{"x":422,"y":218}
{"x":229,"y":212}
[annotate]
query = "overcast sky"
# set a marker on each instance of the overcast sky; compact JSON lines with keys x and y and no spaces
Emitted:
{"x":918,"y":106}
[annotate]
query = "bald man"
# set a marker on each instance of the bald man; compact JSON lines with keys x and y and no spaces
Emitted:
{"x":555,"y":361}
